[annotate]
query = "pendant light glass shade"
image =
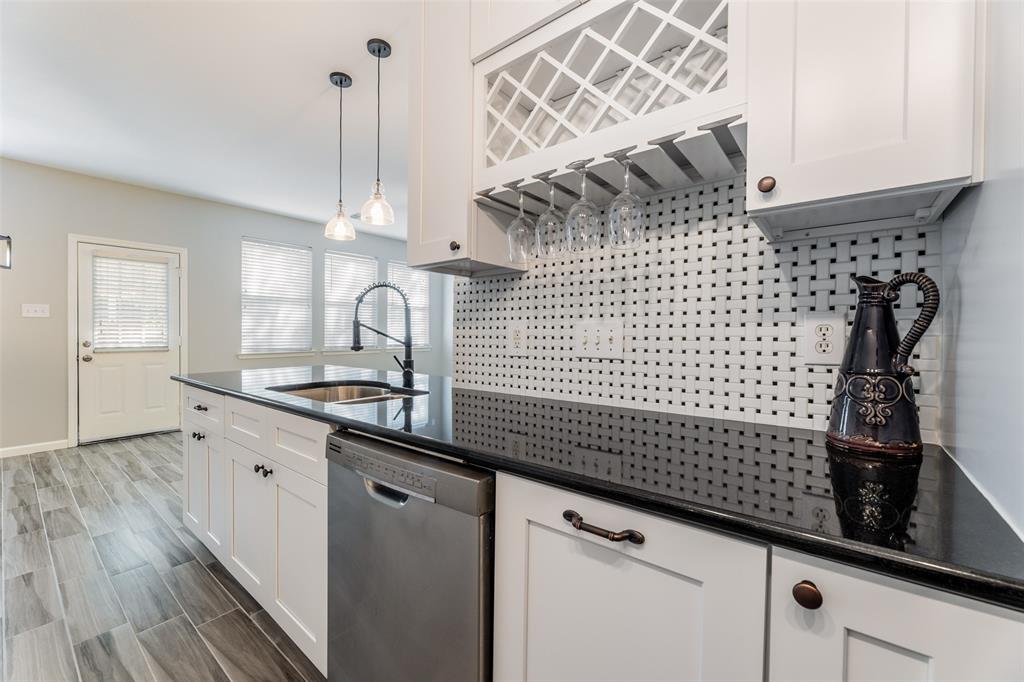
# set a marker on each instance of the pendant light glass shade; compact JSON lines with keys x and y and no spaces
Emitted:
{"x":377,"y":210}
{"x":340,"y":227}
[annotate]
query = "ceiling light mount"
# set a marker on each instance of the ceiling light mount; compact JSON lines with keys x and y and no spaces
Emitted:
{"x":378,"y":47}
{"x":341,"y":80}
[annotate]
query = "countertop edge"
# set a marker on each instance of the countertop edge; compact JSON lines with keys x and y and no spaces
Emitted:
{"x":994,"y":589}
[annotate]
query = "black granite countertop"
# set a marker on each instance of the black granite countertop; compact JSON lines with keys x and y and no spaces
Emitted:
{"x":767,"y":483}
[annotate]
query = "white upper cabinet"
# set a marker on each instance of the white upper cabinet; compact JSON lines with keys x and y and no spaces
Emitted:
{"x":495,"y":23}
{"x":870,"y":627}
{"x":859,"y":111}
{"x":569,"y":605}
{"x":447,"y":232}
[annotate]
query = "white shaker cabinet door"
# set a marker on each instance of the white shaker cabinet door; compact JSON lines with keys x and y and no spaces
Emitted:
{"x":848,"y":98}
{"x":299,"y":594}
{"x":687,"y":604}
{"x":196,"y":484}
{"x":871,"y":627}
{"x":251,"y":520}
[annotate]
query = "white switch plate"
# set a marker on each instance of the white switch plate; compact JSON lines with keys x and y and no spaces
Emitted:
{"x":35,"y":309}
{"x":598,"y":338}
{"x":824,"y":339}
{"x":517,"y":339}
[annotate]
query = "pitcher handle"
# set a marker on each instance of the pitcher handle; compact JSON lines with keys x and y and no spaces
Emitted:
{"x":928,"y":310}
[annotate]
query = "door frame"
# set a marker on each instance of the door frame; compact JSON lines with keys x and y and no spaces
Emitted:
{"x":74,"y":240}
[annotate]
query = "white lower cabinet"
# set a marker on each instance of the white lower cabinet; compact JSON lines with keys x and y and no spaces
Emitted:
{"x":265,"y":521}
{"x":871,"y":627}
{"x":203,"y":498}
{"x":251,"y":530}
{"x":298,"y":594}
{"x":687,"y":604}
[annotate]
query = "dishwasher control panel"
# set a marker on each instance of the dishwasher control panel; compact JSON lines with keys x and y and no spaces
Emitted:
{"x":389,"y":474}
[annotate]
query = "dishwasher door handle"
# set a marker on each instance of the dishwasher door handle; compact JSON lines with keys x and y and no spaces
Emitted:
{"x":384,"y":494}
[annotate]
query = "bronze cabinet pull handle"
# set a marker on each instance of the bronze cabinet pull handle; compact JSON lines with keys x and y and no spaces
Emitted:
{"x":634,"y":536}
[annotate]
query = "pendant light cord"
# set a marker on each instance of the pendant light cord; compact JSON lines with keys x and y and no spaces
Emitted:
{"x":378,"y":117}
{"x":341,"y":119}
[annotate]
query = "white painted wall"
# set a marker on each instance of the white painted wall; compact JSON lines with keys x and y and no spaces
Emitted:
{"x":983,"y":267}
{"x":40,"y":206}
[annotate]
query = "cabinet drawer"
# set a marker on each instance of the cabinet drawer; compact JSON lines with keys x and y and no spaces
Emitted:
{"x":872,"y":627}
{"x":246,"y":423}
{"x":295,"y":442}
{"x":685,"y":604}
{"x":205,"y":409}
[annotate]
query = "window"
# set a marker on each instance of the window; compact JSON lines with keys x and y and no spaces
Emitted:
{"x":277,"y":297}
{"x":345,"y":275}
{"x":130,"y":304}
{"x":416,"y":285}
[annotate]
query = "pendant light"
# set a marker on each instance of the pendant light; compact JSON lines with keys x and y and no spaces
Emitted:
{"x":377,"y":210}
{"x":340,"y":227}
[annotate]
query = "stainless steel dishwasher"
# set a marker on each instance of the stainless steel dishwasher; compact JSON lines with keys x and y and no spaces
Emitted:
{"x":410,"y":571}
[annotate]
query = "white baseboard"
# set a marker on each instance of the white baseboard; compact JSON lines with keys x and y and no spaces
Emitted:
{"x":15,"y":450}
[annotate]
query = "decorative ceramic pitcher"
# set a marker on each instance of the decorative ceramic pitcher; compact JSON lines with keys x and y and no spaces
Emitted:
{"x":873,"y":410}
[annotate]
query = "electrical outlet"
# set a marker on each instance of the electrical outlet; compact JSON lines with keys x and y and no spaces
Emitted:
{"x":35,"y":309}
{"x":517,"y":339}
{"x":824,"y":339}
{"x":598,"y":338}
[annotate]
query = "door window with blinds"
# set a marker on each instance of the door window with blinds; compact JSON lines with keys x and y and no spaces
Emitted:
{"x":345,"y":275}
{"x":277,"y":297}
{"x":131,"y":308}
{"x":416,"y":285}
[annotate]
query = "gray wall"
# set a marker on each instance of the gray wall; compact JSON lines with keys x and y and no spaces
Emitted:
{"x":983,"y":386}
{"x":40,"y":206}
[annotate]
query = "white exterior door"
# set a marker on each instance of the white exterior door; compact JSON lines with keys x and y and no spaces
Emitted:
{"x":129,"y":341}
{"x":686,"y":604}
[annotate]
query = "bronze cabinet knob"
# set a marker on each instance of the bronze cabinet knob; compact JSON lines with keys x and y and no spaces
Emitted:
{"x":454,"y":246}
{"x":807,"y":595}
{"x":766,"y":184}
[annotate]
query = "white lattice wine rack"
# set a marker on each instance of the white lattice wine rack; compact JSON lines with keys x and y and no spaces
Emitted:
{"x":662,"y":81}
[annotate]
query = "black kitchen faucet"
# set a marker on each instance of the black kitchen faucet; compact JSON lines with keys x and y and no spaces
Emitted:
{"x":407,"y":366}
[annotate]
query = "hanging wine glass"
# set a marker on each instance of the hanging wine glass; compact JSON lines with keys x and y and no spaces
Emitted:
{"x":551,"y":228}
{"x":627,"y":219}
{"x":522,"y":236}
{"x":583,"y":221}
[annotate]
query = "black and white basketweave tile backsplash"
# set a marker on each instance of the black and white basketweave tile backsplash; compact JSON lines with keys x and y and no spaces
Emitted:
{"x":713,"y":316}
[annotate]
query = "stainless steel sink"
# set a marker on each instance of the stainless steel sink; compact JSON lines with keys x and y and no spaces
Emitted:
{"x":347,"y":391}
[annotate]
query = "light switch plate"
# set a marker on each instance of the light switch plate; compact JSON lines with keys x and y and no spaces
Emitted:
{"x":598,"y":338}
{"x":35,"y":309}
{"x":824,"y":339}
{"x":517,"y":339}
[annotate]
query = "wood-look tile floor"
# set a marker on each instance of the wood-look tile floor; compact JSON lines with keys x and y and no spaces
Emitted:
{"x":101,"y":581}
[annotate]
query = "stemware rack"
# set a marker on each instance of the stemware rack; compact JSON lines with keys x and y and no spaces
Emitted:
{"x":660,"y":81}
{"x":711,"y":152}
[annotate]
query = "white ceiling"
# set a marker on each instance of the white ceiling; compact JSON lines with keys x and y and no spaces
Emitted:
{"x":223,"y":100}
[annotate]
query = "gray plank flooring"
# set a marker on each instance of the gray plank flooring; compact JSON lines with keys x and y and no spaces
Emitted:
{"x":101,"y":581}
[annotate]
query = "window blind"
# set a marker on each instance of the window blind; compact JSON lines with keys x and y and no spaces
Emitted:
{"x":345,"y":275}
{"x":130,"y":309}
{"x":416,"y":285}
{"x":277,"y":297}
